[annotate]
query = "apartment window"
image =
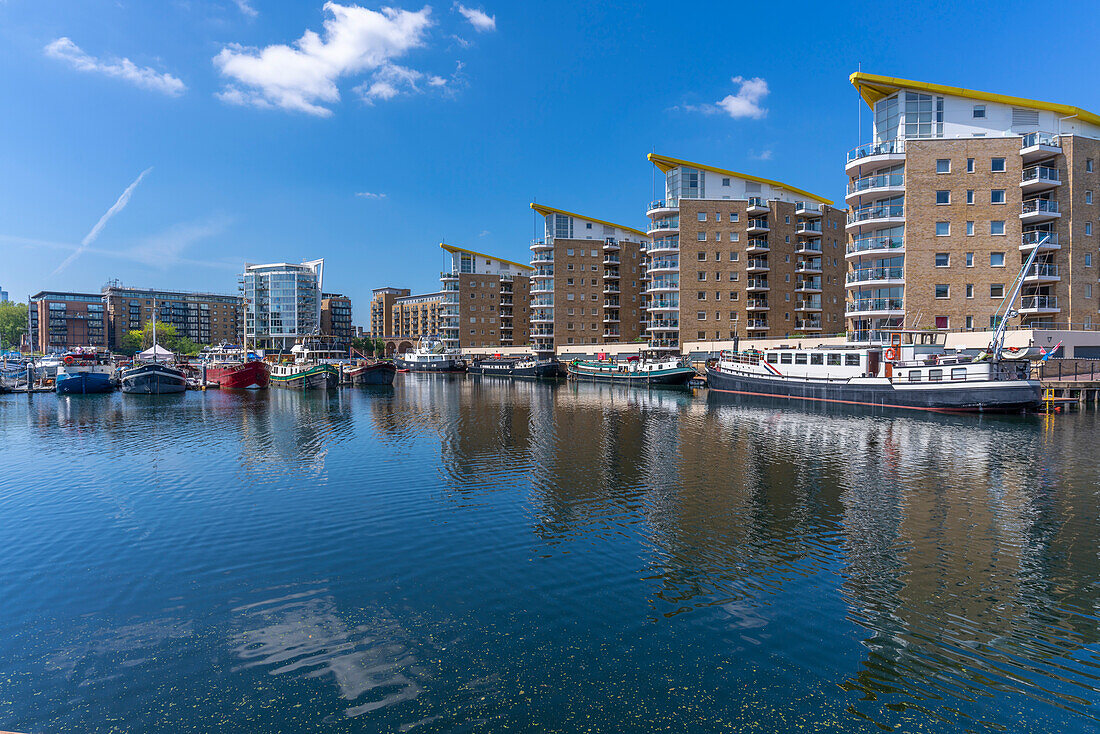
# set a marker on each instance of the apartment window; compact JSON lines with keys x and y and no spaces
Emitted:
{"x":970,"y":196}
{"x":734,"y":256}
{"x":943,"y":197}
{"x":997,"y":165}
{"x":717,"y":294}
{"x":701,"y":315}
{"x":569,"y":252}
{"x":1088,"y":197}
{"x":1088,"y":259}
{"x":943,"y":259}
{"x":718,"y":216}
{"x":568,"y":281}
{"x":725,"y":182}
{"x":717,"y":236}
{"x":594,"y":255}
{"x":979,"y":110}
{"x":943,"y":165}
{"x":997,"y":196}
{"x":970,"y":322}
{"x":970,"y":259}
{"x":996,"y":290}
{"x":735,"y":237}
{"x":733,"y":296}
{"x":943,"y":229}
{"x":702,"y":216}
{"x":701,"y":276}
{"x":701,"y":296}
{"x":701,"y":236}
{"x":1088,"y":165}
{"x":1088,"y":228}
{"x":997,"y":227}
{"x":701,"y":255}
{"x":996,"y":259}
{"x":734,"y":216}
{"x":970,"y":165}
{"x":733,"y":277}
{"x":969,"y":290}
{"x":969,"y":229}
{"x":943,"y":290}
{"x":1088,"y":290}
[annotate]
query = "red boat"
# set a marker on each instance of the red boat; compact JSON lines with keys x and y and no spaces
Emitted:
{"x":246,"y":375}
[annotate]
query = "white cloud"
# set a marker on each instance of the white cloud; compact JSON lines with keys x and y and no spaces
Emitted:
{"x":746,"y":103}
{"x":479,"y":19}
{"x":303,"y":77}
{"x":369,"y":195}
{"x":246,"y":8}
{"x":764,"y":155}
{"x":483,"y":233}
{"x":89,"y":238}
{"x":143,"y":76}
{"x":392,"y":80}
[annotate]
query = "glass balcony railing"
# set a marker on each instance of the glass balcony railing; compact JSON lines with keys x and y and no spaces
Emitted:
{"x":869,"y":274}
{"x":542,"y":257}
{"x":757,"y":201}
{"x":1039,"y":206}
{"x":1040,"y":174}
{"x":814,"y":303}
{"x":885,"y":147}
{"x":809,"y":245}
{"x":1030,"y":239}
{"x":1039,"y":302}
{"x":881,"y":181}
{"x":863,"y":244}
{"x":1042,"y":270}
{"x":806,"y":206}
{"x":667,"y":223}
{"x":874,"y":304}
{"x":1032,"y":139}
{"x":878,"y":211}
{"x":808,"y":227}
{"x":664,"y":204}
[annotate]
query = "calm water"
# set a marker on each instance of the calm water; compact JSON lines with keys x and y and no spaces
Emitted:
{"x":460,"y":555}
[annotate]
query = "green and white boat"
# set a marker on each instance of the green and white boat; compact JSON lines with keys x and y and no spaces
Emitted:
{"x":667,"y":371}
{"x":304,"y":376}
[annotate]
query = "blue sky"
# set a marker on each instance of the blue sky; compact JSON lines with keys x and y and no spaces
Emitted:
{"x":268,"y":131}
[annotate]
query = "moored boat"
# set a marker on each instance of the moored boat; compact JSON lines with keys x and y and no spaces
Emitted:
{"x":668,"y":371}
{"x":372,"y":373}
{"x":521,"y":367}
{"x":431,"y":356}
{"x":153,"y":378}
{"x":252,"y":375}
{"x":301,"y":376}
{"x":913,"y":371}
{"x":84,"y":371}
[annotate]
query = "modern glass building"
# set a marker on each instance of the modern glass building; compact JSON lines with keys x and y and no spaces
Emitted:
{"x":282,"y":302}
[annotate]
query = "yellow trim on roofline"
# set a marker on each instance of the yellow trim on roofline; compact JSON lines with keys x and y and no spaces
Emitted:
{"x":452,"y":248}
{"x":873,"y":87}
{"x":665,"y":163}
{"x":544,"y":210}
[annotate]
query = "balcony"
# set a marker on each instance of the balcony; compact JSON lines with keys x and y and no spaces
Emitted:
{"x":873,"y":155}
{"x":807,"y":228}
{"x":757,"y":205}
{"x":609,"y":259}
{"x":611,"y":288}
{"x":807,"y":209}
{"x":808,"y":266}
{"x":757,"y":245}
{"x":878,"y":185}
{"x":887,"y":275}
{"x":808,"y":304}
{"x":610,"y":333}
{"x":1042,"y":240}
{"x":757,"y":226}
{"x":875,"y":246}
{"x":808,"y":285}
{"x":663,"y":304}
{"x":664,"y":325}
{"x":756,"y":304}
{"x":876,"y":215}
{"x":543,"y":244}
{"x":663,"y":265}
{"x":756,"y":324}
{"x":875,"y":307}
{"x":1038,"y":304}
{"x":542,"y":318}
{"x":1039,"y":210}
{"x":808,"y":324}
{"x":1039,"y":178}
{"x":611,"y":274}
{"x":542,"y":257}
{"x":542,"y":333}
{"x":664,"y":244}
{"x":612,"y":302}
{"x":542,"y":286}
{"x":446,"y":277}
{"x":662,"y":207}
{"x":1042,"y":273}
{"x":756,"y":284}
{"x":612,"y":317}
{"x":671,"y":343}
{"x":611,"y":245}
{"x":669,"y":224}
{"x":1036,"y":146}
{"x":808,"y":247}
{"x":542,"y":273}
{"x":757,"y":266}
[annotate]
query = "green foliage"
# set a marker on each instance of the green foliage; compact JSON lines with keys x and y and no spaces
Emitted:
{"x":13,"y":324}
{"x":379,"y":348}
{"x":141,"y":339}
{"x":363,"y":346}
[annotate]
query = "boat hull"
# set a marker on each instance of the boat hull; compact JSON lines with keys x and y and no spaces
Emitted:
{"x":440,"y":365}
{"x":153,"y":379}
{"x":244,"y":376}
{"x":83,"y":383}
{"x":381,"y":373}
{"x":544,"y":370}
{"x":993,"y":396}
{"x":675,"y":377}
{"x":315,"y":378}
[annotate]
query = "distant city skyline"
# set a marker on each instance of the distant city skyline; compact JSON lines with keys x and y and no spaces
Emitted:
{"x":167,"y":146}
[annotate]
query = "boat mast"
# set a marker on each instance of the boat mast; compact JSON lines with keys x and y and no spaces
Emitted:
{"x":154,"y":329}
{"x":1009,"y":299}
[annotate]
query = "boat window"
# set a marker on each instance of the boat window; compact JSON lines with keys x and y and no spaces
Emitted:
{"x":914,"y":375}
{"x":773,"y":357}
{"x":935,"y":375}
{"x":958,"y":373}
{"x":851,"y":360}
{"x":817,"y":359}
{"x":800,"y":358}
{"x":833,"y":360}
{"x":785,"y":357}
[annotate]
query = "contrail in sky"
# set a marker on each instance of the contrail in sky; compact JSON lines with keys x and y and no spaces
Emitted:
{"x":91,"y":236}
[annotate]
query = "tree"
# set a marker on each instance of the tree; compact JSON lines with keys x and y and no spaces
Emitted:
{"x":379,"y":348}
{"x":13,"y":324}
{"x":361,"y":345}
{"x":141,"y":339}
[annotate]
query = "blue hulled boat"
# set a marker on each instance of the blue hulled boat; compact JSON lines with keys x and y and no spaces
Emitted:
{"x":85,"y":371}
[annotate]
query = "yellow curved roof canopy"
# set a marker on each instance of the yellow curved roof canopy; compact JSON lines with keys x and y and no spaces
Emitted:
{"x":452,"y":248}
{"x":544,"y":210}
{"x":666,"y":164}
{"x":873,"y":87}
